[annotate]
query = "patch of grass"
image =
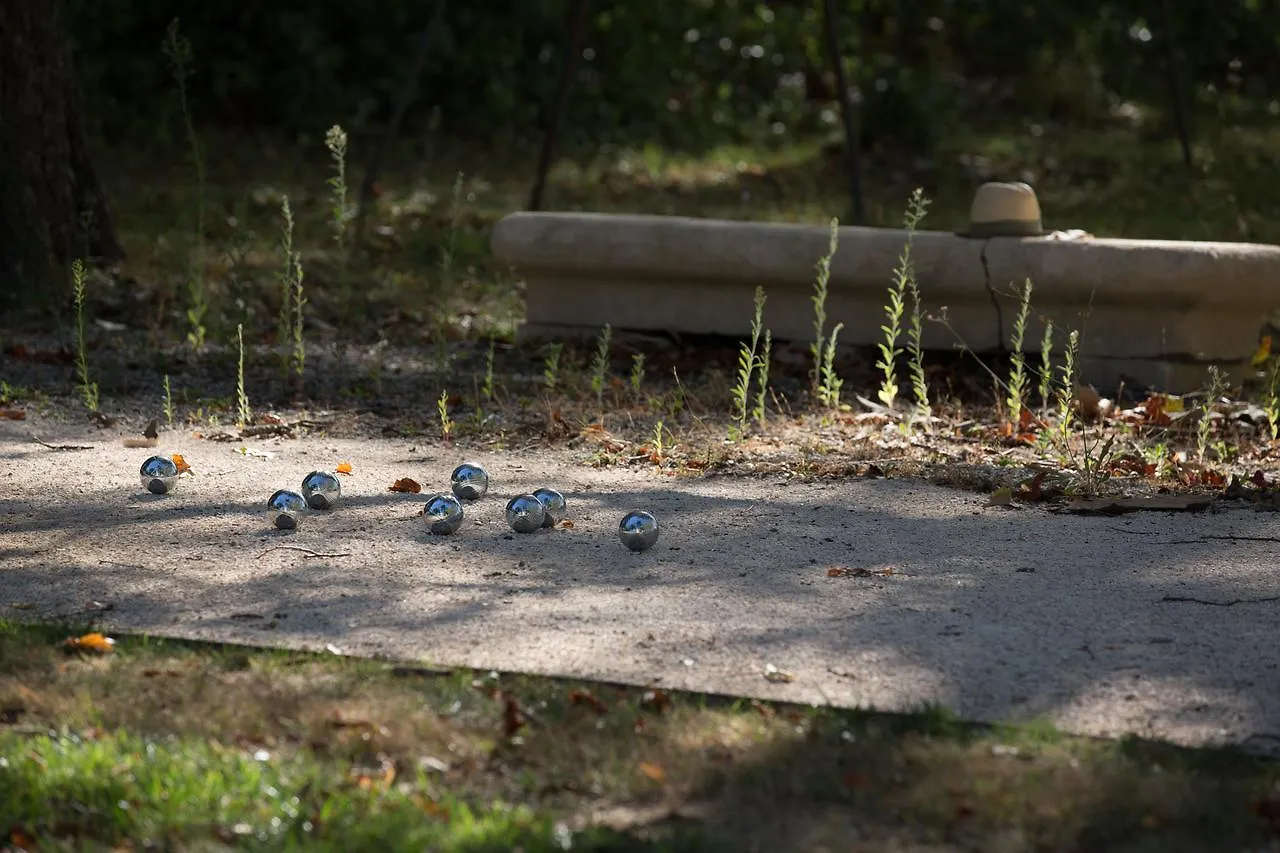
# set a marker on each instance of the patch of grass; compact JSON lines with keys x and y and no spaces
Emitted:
{"x":636,"y":379}
{"x":88,"y":388}
{"x":168,"y":743}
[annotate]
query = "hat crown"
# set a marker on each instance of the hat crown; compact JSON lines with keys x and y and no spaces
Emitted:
{"x":1005,"y":208}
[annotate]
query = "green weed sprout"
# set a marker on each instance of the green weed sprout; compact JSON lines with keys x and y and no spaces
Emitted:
{"x":1046,"y":365}
{"x":747,"y":367}
{"x":551,"y":366}
{"x":659,"y":446}
{"x":1204,"y":427}
{"x":88,"y":389}
{"x":336,"y":141}
{"x":1017,"y":360}
{"x":442,"y":409}
{"x":829,"y":388}
{"x":762,"y":377}
{"x":243,"y":413}
{"x":637,"y":372}
{"x":1271,"y":396}
{"x":487,"y":388}
{"x":451,"y":243}
{"x":917,"y":207}
{"x":819,"y":300}
{"x":168,"y":402}
{"x":293,"y":300}
{"x":903,"y":275}
{"x":600,"y":364}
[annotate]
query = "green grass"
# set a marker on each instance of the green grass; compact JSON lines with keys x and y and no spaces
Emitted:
{"x":189,"y":746}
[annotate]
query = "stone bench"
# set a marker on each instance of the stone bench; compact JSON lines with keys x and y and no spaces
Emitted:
{"x":1149,"y":312}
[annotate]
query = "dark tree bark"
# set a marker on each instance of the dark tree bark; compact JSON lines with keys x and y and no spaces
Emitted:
{"x":52,"y":207}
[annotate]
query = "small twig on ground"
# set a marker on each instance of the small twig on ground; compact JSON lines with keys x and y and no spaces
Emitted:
{"x":307,"y":552}
{"x":42,"y":443}
{"x":1228,"y":603}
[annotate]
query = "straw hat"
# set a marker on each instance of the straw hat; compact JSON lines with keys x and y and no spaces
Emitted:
{"x":1004,"y":210}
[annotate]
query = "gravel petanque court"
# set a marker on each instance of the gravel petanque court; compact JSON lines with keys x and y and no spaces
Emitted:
{"x":884,"y":593}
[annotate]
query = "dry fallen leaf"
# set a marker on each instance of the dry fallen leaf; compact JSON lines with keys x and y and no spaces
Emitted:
{"x":13,"y":414}
{"x":567,"y":524}
{"x":589,"y":699}
{"x":512,"y":716}
{"x":404,"y":484}
{"x":1263,"y":353}
{"x":653,"y":771}
{"x":655,"y":700}
{"x":183,"y":467}
{"x":94,"y":643}
{"x":847,"y":572}
{"x":343,"y":468}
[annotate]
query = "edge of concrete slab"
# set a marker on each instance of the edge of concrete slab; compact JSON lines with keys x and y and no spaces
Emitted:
{"x":1165,"y":309}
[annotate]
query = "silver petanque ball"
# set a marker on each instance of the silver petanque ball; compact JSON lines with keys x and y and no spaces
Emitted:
{"x":554,"y":507}
{"x":321,"y":489}
{"x":443,"y":514}
{"x":525,"y":513}
{"x":638,"y":530}
{"x":159,"y":475}
{"x":284,"y":509}
{"x":470,"y":481}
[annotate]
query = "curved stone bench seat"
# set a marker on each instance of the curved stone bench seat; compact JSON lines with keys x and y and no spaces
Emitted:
{"x":1156,"y":312}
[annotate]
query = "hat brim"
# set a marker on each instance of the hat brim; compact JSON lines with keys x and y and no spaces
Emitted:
{"x":1004,"y":228}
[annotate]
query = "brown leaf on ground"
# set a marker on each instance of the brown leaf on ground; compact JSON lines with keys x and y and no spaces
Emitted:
{"x":13,"y":414}
{"x":183,"y":467}
{"x":589,"y":699}
{"x":1033,"y":490}
{"x":512,"y":716}
{"x":343,"y":468}
{"x":653,"y":771}
{"x":405,"y":485}
{"x":655,"y":700}
{"x":1155,"y":503}
{"x":847,"y":572}
{"x":94,"y":643}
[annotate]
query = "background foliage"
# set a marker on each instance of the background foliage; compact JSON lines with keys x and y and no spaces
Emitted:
{"x":684,"y":74}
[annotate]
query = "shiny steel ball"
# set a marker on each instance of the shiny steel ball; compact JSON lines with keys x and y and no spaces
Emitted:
{"x":638,"y":530}
{"x":284,"y":509}
{"x":443,"y":514}
{"x":470,"y":481}
{"x":321,"y":489}
{"x":525,"y":513}
{"x":554,"y":507}
{"x":159,"y":475}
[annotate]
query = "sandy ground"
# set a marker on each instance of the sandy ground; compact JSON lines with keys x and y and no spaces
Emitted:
{"x":999,"y":613}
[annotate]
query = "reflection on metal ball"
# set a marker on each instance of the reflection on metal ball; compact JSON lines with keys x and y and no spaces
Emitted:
{"x":321,"y":489}
{"x":443,"y":514}
{"x":159,"y":475}
{"x":553,"y":506}
{"x":284,"y":508}
{"x":638,"y":530}
{"x":525,"y":513}
{"x":470,"y":481}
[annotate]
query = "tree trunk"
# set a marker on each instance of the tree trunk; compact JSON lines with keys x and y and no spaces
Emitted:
{"x":52,"y":207}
